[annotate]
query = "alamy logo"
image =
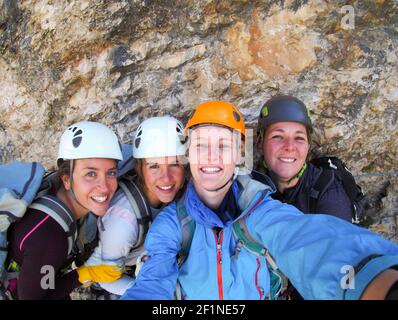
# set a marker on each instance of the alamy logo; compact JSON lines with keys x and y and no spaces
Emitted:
{"x":48,"y":281}
{"x":348,"y":280}
{"x":348,"y":20}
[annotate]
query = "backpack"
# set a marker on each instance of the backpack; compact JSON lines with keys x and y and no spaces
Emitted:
{"x":279,"y":281}
{"x":22,"y":186}
{"x":331,"y":167}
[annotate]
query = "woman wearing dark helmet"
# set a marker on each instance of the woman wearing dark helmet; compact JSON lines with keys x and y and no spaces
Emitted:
{"x":284,"y":129}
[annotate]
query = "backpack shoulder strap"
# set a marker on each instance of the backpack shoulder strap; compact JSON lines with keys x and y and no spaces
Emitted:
{"x":354,"y":192}
{"x":321,"y":184}
{"x":188,"y":226}
{"x":60,"y":213}
{"x":140,"y":206}
{"x":279,"y":281}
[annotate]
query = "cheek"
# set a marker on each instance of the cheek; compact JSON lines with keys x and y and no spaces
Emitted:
{"x":269,"y":149}
{"x":303,"y":149}
{"x":149,"y":179}
{"x":113,"y":185}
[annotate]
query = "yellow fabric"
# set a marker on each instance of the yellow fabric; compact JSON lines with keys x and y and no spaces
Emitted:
{"x":98,"y":273}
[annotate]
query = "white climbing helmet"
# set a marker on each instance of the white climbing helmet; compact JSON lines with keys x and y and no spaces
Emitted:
{"x":159,"y":137}
{"x":89,"y":139}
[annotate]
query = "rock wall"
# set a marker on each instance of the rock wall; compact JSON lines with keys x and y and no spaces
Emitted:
{"x":120,"y":62}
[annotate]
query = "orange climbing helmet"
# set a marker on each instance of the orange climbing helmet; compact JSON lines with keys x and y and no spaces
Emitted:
{"x":218,"y":112}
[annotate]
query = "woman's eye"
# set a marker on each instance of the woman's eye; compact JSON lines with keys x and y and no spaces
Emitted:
{"x":277,"y":137}
{"x":90,"y":174}
{"x":300,"y":139}
{"x":112,"y":173}
{"x":154,"y":166}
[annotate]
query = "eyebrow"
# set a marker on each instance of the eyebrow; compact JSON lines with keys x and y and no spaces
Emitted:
{"x":96,"y":169}
{"x":281,"y":130}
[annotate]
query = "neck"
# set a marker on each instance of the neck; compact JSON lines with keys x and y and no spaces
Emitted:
{"x":154,"y":201}
{"x":283,"y":185}
{"x":77,"y":210}
{"x":212,"y":199}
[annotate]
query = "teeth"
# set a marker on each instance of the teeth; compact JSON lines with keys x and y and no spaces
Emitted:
{"x":100,"y":199}
{"x":166,"y":187}
{"x":287,"y":159}
{"x":211,"y":170}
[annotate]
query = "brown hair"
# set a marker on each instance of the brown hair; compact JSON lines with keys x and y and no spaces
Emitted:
{"x":63,"y":170}
{"x":140,"y":180}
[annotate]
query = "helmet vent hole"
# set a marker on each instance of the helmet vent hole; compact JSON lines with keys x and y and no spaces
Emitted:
{"x":137,"y":142}
{"x":77,"y":141}
{"x":139,"y":133}
{"x":78,"y":133}
{"x":74,"y":129}
{"x":236,"y":116}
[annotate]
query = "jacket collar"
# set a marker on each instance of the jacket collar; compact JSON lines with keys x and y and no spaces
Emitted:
{"x":244,"y":189}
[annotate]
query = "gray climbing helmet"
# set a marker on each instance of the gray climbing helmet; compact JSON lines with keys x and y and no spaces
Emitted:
{"x":284,"y":108}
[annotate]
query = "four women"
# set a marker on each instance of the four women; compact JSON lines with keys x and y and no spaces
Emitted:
{"x":227,"y":212}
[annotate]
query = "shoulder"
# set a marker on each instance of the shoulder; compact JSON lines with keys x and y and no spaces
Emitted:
{"x":120,"y":209}
{"x":38,"y":230}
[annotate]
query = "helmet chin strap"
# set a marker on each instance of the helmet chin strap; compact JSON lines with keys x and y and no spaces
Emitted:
{"x":297,"y":175}
{"x":70,"y":191}
{"x":233,"y":177}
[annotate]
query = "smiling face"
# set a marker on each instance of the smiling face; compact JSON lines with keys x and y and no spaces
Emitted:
{"x":213,"y":155}
{"x":163,"y":178}
{"x":94,"y":183}
{"x":285,"y":147}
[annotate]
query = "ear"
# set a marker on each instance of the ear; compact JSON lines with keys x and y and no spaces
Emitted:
{"x":66,"y":181}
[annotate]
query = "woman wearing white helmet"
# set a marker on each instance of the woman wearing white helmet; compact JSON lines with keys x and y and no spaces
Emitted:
{"x":40,"y":244}
{"x":158,"y":177}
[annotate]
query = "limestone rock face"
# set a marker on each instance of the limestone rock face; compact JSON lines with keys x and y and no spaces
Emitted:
{"x":120,"y":62}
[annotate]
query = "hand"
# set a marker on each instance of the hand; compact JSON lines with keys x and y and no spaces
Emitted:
{"x":98,"y":273}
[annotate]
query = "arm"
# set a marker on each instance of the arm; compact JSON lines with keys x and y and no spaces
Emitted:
{"x":118,"y":232}
{"x":44,"y":254}
{"x":380,"y":286}
{"x":314,"y":251}
{"x":158,"y":276}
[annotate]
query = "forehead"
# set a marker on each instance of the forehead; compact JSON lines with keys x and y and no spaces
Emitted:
{"x":95,"y":163}
{"x":287,"y":126}
{"x":161,"y":160}
{"x":213,"y":132}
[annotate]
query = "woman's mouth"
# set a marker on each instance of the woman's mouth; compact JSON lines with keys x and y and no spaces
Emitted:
{"x":166,"y":188}
{"x":210,"y":170}
{"x":99,"y":199}
{"x":287,"y":159}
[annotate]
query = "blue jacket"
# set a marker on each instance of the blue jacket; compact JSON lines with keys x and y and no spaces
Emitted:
{"x":312,"y":250}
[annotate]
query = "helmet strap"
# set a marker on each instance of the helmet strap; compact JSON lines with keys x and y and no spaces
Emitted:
{"x":233,"y":177}
{"x":297,"y":175}
{"x":71,"y":192}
